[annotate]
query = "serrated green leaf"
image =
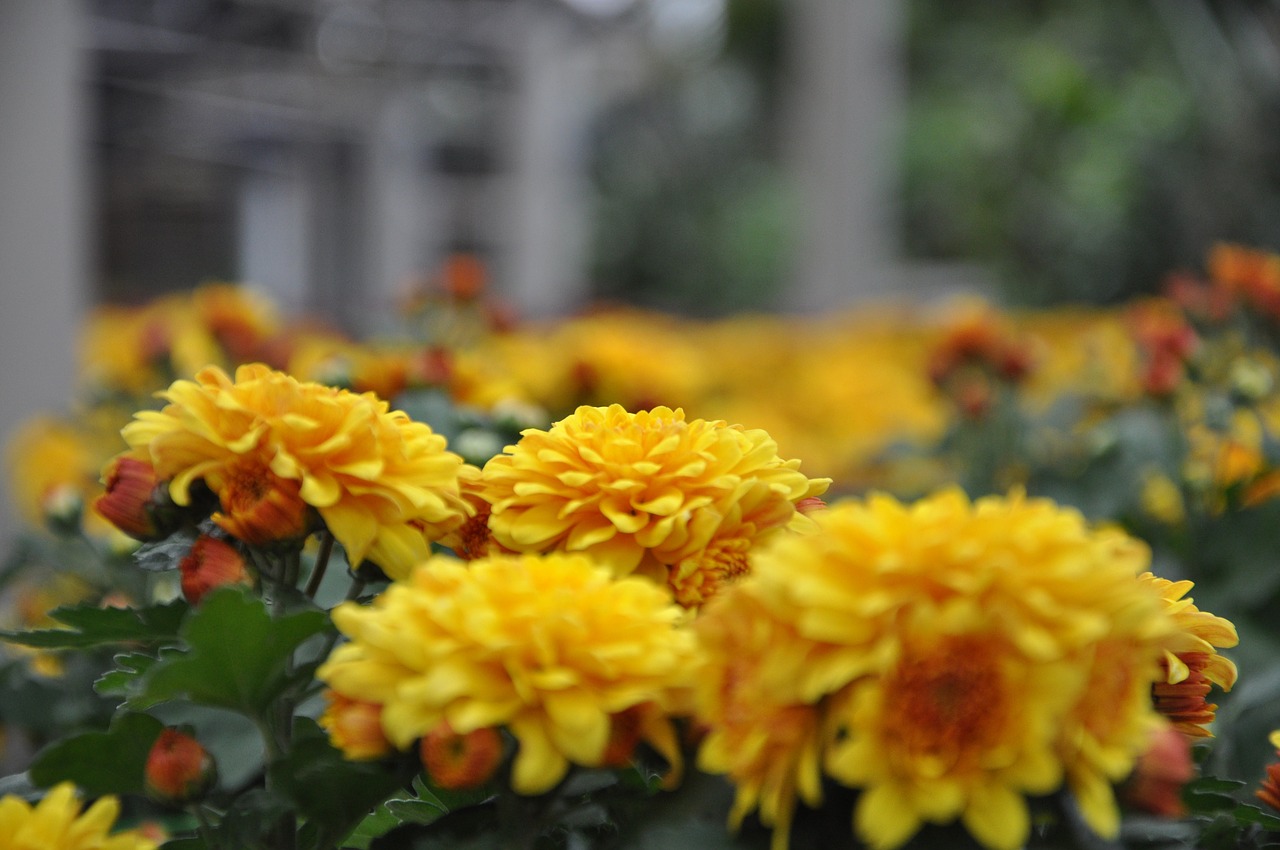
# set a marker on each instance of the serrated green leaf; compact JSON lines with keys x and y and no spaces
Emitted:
{"x":237,"y":654}
{"x":91,"y":625}
{"x":111,"y":762}
{"x":420,"y":805}
{"x":130,"y":667}
{"x":333,"y":793}
{"x":1252,"y":814}
{"x":376,"y":824}
{"x":1206,"y":803}
{"x":417,"y":811}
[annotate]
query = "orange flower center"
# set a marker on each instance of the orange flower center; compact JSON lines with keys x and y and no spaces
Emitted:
{"x":949,"y":705}
{"x":459,"y":762}
{"x":258,"y":507}
{"x":695,"y":580}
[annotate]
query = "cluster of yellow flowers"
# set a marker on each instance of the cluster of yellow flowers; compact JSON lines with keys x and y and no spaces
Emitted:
{"x":622,"y":572}
{"x":949,"y":658}
{"x":574,"y":663}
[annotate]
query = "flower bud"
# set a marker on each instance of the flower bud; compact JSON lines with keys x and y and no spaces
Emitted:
{"x":178,"y":768}
{"x":355,"y":727}
{"x":460,"y":762}
{"x":127,"y":502}
{"x":210,"y":563}
{"x":63,"y":508}
{"x":1158,"y":777}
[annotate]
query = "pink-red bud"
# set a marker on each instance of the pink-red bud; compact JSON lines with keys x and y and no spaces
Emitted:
{"x":178,"y":768}
{"x":211,"y":563}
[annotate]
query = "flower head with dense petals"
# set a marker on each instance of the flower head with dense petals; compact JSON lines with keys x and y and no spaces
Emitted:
{"x":56,"y":823}
{"x":550,"y":646}
{"x":951,"y":658}
{"x":641,"y":491}
{"x":1191,"y":660}
{"x":269,"y":446}
{"x":760,"y":731}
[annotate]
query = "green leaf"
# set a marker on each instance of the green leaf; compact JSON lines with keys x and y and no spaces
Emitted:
{"x":375,"y":825}
{"x":1208,"y":803}
{"x":237,"y":655}
{"x":1252,"y":814}
{"x":1212,"y":784}
{"x":111,"y":762}
{"x":327,"y":789}
{"x":130,"y":667}
{"x":252,"y":820}
{"x":421,"y":806}
{"x":90,"y":625}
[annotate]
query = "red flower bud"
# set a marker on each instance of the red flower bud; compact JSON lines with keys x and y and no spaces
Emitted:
{"x":178,"y":768}
{"x":459,"y":762}
{"x":127,"y":502}
{"x":1156,"y":784}
{"x":210,"y":563}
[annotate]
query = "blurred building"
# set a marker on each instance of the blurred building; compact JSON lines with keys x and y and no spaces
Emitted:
{"x":334,"y":152}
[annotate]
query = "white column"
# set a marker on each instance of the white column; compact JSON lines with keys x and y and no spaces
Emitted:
{"x":405,"y":219}
{"x":275,"y":252}
{"x":846,"y":87}
{"x":541,"y":269}
{"x":43,"y":213}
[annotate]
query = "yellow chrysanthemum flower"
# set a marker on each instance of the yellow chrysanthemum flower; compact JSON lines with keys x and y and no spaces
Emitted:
{"x":266,"y":444}
{"x":56,"y":823}
{"x":1191,"y":659}
{"x":760,"y":731}
{"x":551,"y":647}
{"x":951,"y":658}
{"x":50,"y":462}
{"x":641,"y":491}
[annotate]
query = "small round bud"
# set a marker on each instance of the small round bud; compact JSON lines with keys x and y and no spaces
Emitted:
{"x":178,"y":768}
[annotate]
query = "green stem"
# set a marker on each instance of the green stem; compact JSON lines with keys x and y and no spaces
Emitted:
{"x":322,"y":562}
{"x":204,"y":827}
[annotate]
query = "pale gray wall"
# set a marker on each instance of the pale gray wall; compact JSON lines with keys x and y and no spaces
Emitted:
{"x":43,"y":277}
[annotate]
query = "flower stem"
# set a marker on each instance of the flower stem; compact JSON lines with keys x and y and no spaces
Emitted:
{"x":204,"y":828}
{"x":322,"y":562}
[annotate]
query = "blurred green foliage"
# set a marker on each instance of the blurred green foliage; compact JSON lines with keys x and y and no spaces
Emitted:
{"x":1083,"y":149}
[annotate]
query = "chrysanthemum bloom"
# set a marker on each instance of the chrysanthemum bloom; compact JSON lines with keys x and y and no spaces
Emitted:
{"x":1248,"y":273}
{"x":56,"y":823}
{"x":269,"y":446}
{"x":948,"y":658}
{"x":210,"y":563}
{"x":642,"y":491}
{"x":354,"y":727}
{"x":1191,"y":659}
{"x":240,"y":319}
{"x":551,"y":647}
{"x":49,"y":460}
{"x":1166,"y":342}
{"x":761,"y":730}
{"x":1269,"y":791}
{"x":460,"y":762}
